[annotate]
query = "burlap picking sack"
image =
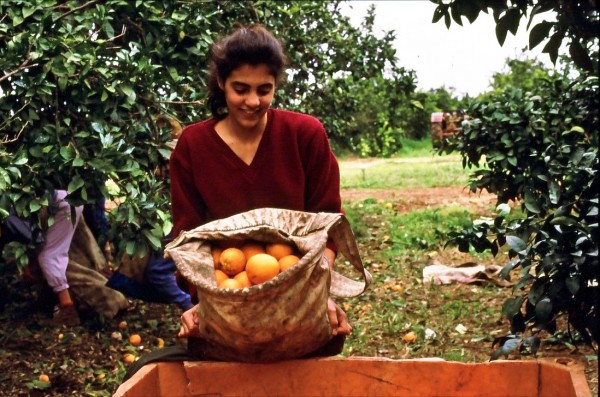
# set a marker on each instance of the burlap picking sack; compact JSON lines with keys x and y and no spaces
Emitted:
{"x":282,"y":318}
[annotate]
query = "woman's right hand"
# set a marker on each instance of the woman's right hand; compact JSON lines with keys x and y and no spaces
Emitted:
{"x":189,"y":323}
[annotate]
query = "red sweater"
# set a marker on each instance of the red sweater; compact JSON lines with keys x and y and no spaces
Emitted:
{"x":294,"y":168}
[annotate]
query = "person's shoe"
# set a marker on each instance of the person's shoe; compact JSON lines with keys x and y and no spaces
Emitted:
{"x":66,"y":315}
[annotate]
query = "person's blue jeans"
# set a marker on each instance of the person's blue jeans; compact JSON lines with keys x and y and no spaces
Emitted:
{"x":161,"y":284}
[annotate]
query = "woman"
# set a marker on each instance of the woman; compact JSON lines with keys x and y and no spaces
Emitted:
{"x":248,"y":155}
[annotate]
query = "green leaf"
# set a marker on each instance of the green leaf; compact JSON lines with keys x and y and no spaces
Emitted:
{"x":553,"y":45}
{"x":439,"y":12}
{"x":510,"y":345}
{"x":539,"y":33}
{"x":34,"y":206}
{"x":513,"y":17}
{"x":511,"y":307}
{"x":127,"y":90}
{"x":28,"y":11}
{"x":543,"y":310}
{"x":572,"y":284}
{"x":501,"y":30}
{"x":20,"y":160}
{"x":505,"y":272}
{"x":580,"y":55}
{"x":98,"y":127}
{"x":496,"y":354}
{"x":533,"y":343}
{"x":531,"y":204}
{"x":76,"y":183}
{"x":456,"y":14}
{"x":516,"y":244}
{"x":563,"y":221}
{"x":554,"y":192}
{"x":417,"y":104}
{"x":154,"y":241}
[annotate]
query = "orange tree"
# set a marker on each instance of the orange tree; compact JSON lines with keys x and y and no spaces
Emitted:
{"x":91,"y":91}
{"x":539,"y":147}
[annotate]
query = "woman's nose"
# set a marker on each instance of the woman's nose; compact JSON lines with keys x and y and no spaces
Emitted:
{"x":252,"y":99}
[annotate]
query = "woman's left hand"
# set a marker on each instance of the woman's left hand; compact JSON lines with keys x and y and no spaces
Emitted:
{"x":338,"y":319}
{"x":189,"y":323}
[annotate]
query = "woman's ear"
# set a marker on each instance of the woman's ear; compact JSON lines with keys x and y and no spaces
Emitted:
{"x":221,"y":84}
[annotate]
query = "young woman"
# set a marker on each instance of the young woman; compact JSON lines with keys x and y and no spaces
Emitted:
{"x":249,"y":155}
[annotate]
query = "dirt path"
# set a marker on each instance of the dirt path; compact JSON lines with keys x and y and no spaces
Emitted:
{"x":409,"y":199}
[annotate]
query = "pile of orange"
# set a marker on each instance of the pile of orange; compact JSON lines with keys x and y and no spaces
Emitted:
{"x":247,"y":263}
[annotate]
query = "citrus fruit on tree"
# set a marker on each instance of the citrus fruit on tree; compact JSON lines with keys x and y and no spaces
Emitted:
{"x":232,"y":261}
{"x":279,"y":250}
{"x":261,"y":268}
{"x":287,"y":261}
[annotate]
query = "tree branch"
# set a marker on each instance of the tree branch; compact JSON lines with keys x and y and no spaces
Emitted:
{"x":81,"y":7}
{"x":21,"y":67}
{"x":16,"y":138}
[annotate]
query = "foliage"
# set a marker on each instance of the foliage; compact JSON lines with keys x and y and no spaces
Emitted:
{"x":380,"y":118}
{"x":541,"y":150}
{"x":364,"y":100}
{"x":577,"y":23}
{"x":91,"y":92}
{"x":525,"y":74}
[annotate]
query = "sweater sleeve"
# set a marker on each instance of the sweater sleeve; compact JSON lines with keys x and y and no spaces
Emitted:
{"x":322,"y":177}
{"x":322,"y":172}
{"x":187,"y":206}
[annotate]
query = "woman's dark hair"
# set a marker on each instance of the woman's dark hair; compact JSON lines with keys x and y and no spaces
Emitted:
{"x":252,"y":45}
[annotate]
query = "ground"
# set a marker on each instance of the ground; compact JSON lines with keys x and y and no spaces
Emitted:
{"x":87,"y":360}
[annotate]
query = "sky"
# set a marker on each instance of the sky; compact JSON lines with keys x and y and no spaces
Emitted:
{"x":462,"y":57}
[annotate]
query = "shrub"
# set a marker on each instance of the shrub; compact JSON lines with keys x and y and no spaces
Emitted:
{"x":540,"y":149}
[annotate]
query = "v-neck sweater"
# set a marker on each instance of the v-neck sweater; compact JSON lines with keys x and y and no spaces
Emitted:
{"x":293,"y":168}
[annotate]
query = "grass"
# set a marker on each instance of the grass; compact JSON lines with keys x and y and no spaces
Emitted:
{"x":415,"y":166}
{"x":396,"y":247}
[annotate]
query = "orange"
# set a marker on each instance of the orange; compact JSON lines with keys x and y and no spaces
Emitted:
{"x":216,"y":255}
{"x":135,"y":339}
{"x":232,"y":261}
{"x":220,"y":276}
{"x":279,"y":250}
{"x":129,"y":358}
{"x":44,"y":378}
{"x":261,"y":268}
{"x":230,"y":283}
{"x":123,"y":325}
{"x":409,"y":337}
{"x":287,"y":261}
{"x":252,"y":248}
{"x":242,"y":278}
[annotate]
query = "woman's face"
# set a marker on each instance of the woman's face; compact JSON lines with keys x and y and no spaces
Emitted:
{"x":249,"y":92}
